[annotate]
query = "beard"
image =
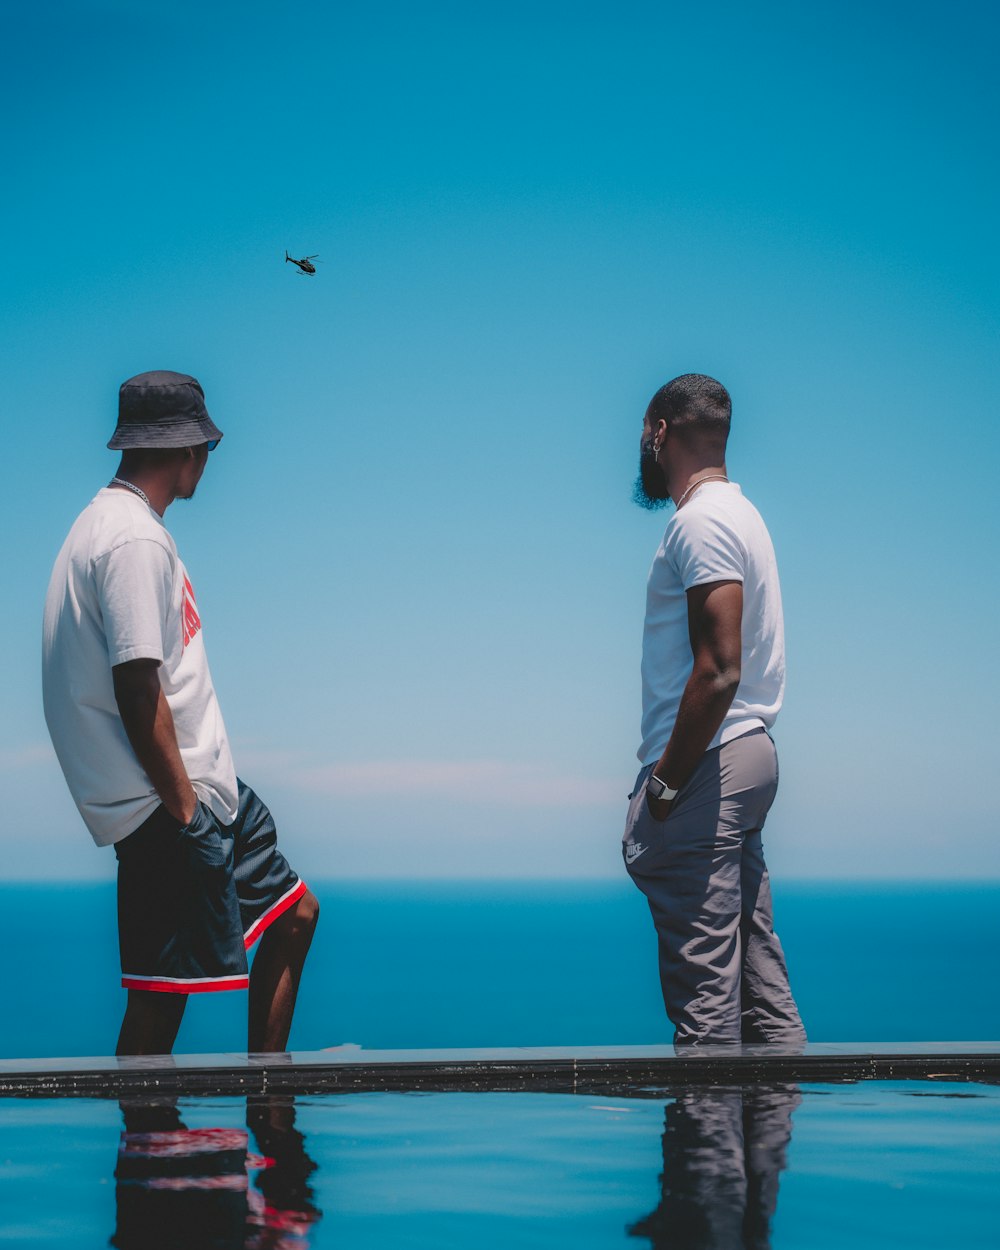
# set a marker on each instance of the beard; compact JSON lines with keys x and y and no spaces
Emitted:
{"x":650,"y":490}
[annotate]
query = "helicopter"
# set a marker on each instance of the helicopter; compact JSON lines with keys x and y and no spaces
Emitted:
{"x":305,"y":265}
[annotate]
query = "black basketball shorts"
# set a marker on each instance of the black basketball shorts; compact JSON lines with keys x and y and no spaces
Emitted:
{"x":192,"y":899}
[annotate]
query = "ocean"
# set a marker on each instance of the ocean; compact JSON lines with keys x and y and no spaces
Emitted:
{"x":488,"y":964}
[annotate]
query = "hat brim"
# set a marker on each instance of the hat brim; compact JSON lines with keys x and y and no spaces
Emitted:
{"x":186,"y":433}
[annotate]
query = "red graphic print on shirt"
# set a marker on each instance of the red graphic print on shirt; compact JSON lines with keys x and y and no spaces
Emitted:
{"x":192,"y":621}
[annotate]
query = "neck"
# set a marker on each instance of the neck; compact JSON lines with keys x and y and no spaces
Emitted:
{"x":152,"y":485}
{"x":684,"y":483}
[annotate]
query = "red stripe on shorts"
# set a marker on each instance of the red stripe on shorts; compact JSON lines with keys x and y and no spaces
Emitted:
{"x":273,"y":912}
{"x":177,"y":985}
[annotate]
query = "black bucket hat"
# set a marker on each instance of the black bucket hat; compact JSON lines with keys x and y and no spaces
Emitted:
{"x":162,"y":409}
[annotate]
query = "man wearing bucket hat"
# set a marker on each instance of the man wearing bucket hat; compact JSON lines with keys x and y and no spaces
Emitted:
{"x":137,"y":728}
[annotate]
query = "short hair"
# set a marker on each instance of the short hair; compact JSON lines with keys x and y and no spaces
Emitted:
{"x":696,"y":407}
{"x":152,"y":456}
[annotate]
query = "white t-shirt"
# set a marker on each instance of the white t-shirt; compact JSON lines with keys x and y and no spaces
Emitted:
{"x":120,"y":592}
{"x":717,"y":536}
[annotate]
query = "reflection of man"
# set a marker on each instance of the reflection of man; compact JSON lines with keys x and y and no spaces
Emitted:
{"x":199,"y":1187}
{"x":713,"y":675}
{"x":136,"y":726}
{"x":176,"y":1186}
{"x":723,"y":1151}
{"x":282,"y":1201}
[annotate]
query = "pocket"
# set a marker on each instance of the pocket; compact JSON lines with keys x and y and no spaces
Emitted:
{"x":202,"y":841}
{"x":632,"y":814}
{"x":638,"y":812}
{"x":194,"y":822}
{"x":653,"y":820}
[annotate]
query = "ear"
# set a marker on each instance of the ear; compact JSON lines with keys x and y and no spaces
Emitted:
{"x":660,"y":430}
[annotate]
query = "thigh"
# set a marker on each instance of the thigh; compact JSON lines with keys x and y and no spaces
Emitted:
{"x":688,"y":867}
{"x":695,"y":852}
{"x":266,"y":885}
{"x":178,"y":919}
{"x":691,"y":869}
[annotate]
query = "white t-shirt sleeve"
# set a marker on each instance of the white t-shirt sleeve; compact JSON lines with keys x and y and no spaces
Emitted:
{"x":705,"y":548}
{"x":134,"y":589}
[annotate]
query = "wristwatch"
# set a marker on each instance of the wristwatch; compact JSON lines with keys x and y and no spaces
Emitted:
{"x":657,"y":788}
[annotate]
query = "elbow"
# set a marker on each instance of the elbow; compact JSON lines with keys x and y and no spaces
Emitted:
{"x":718,"y":680}
{"x":726,"y":681}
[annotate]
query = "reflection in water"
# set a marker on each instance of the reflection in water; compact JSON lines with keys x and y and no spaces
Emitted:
{"x":204,"y":1187}
{"x":284,"y":1212}
{"x":723,"y":1151}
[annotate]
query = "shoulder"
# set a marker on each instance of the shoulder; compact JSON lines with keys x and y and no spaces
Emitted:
{"x":116,"y":521}
{"x":710,"y":513}
{"x":706,"y":540}
{"x":741,"y":517}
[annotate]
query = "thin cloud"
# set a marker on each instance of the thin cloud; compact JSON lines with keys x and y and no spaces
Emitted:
{"x":505,"y":783}
{"x":14,"y":759}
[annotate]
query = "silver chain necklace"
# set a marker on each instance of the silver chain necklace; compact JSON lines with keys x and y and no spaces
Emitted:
{"x":711,"y":477}
{"x":120,"y":481}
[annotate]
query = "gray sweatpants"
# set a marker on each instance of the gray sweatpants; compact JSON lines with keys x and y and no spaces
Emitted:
{"x":702,"y":871}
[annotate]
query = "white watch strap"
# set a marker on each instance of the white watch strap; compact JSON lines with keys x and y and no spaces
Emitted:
{"x":657,"y":788}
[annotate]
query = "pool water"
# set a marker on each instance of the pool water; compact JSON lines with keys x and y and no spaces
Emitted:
{"x":873,"y":1164}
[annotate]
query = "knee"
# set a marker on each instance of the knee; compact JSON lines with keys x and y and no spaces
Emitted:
{"x":307,"y":911}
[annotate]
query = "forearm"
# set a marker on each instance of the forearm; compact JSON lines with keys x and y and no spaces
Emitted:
{"x":149,"y":725}
{"x":707,"y":698}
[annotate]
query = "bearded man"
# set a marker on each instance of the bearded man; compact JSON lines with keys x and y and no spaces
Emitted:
{"x":713,"y":677}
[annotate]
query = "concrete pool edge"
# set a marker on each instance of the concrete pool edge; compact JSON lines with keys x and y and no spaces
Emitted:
{"x":625,"y":1070}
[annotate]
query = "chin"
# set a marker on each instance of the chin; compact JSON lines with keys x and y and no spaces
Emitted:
{"x":650,"y":492}
{"x":651,"y":505}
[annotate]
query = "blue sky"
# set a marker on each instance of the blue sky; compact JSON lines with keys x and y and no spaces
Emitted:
{"x":417,"y":562}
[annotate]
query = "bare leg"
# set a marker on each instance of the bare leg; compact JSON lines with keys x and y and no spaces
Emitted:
{"x":151,"y":1022}
{"x":274,"y":978}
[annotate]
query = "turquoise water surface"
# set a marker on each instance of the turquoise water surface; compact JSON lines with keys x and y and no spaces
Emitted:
{"x":810,"y":1167}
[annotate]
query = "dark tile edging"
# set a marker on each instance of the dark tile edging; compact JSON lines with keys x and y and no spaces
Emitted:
{"x":633,"y":1076}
